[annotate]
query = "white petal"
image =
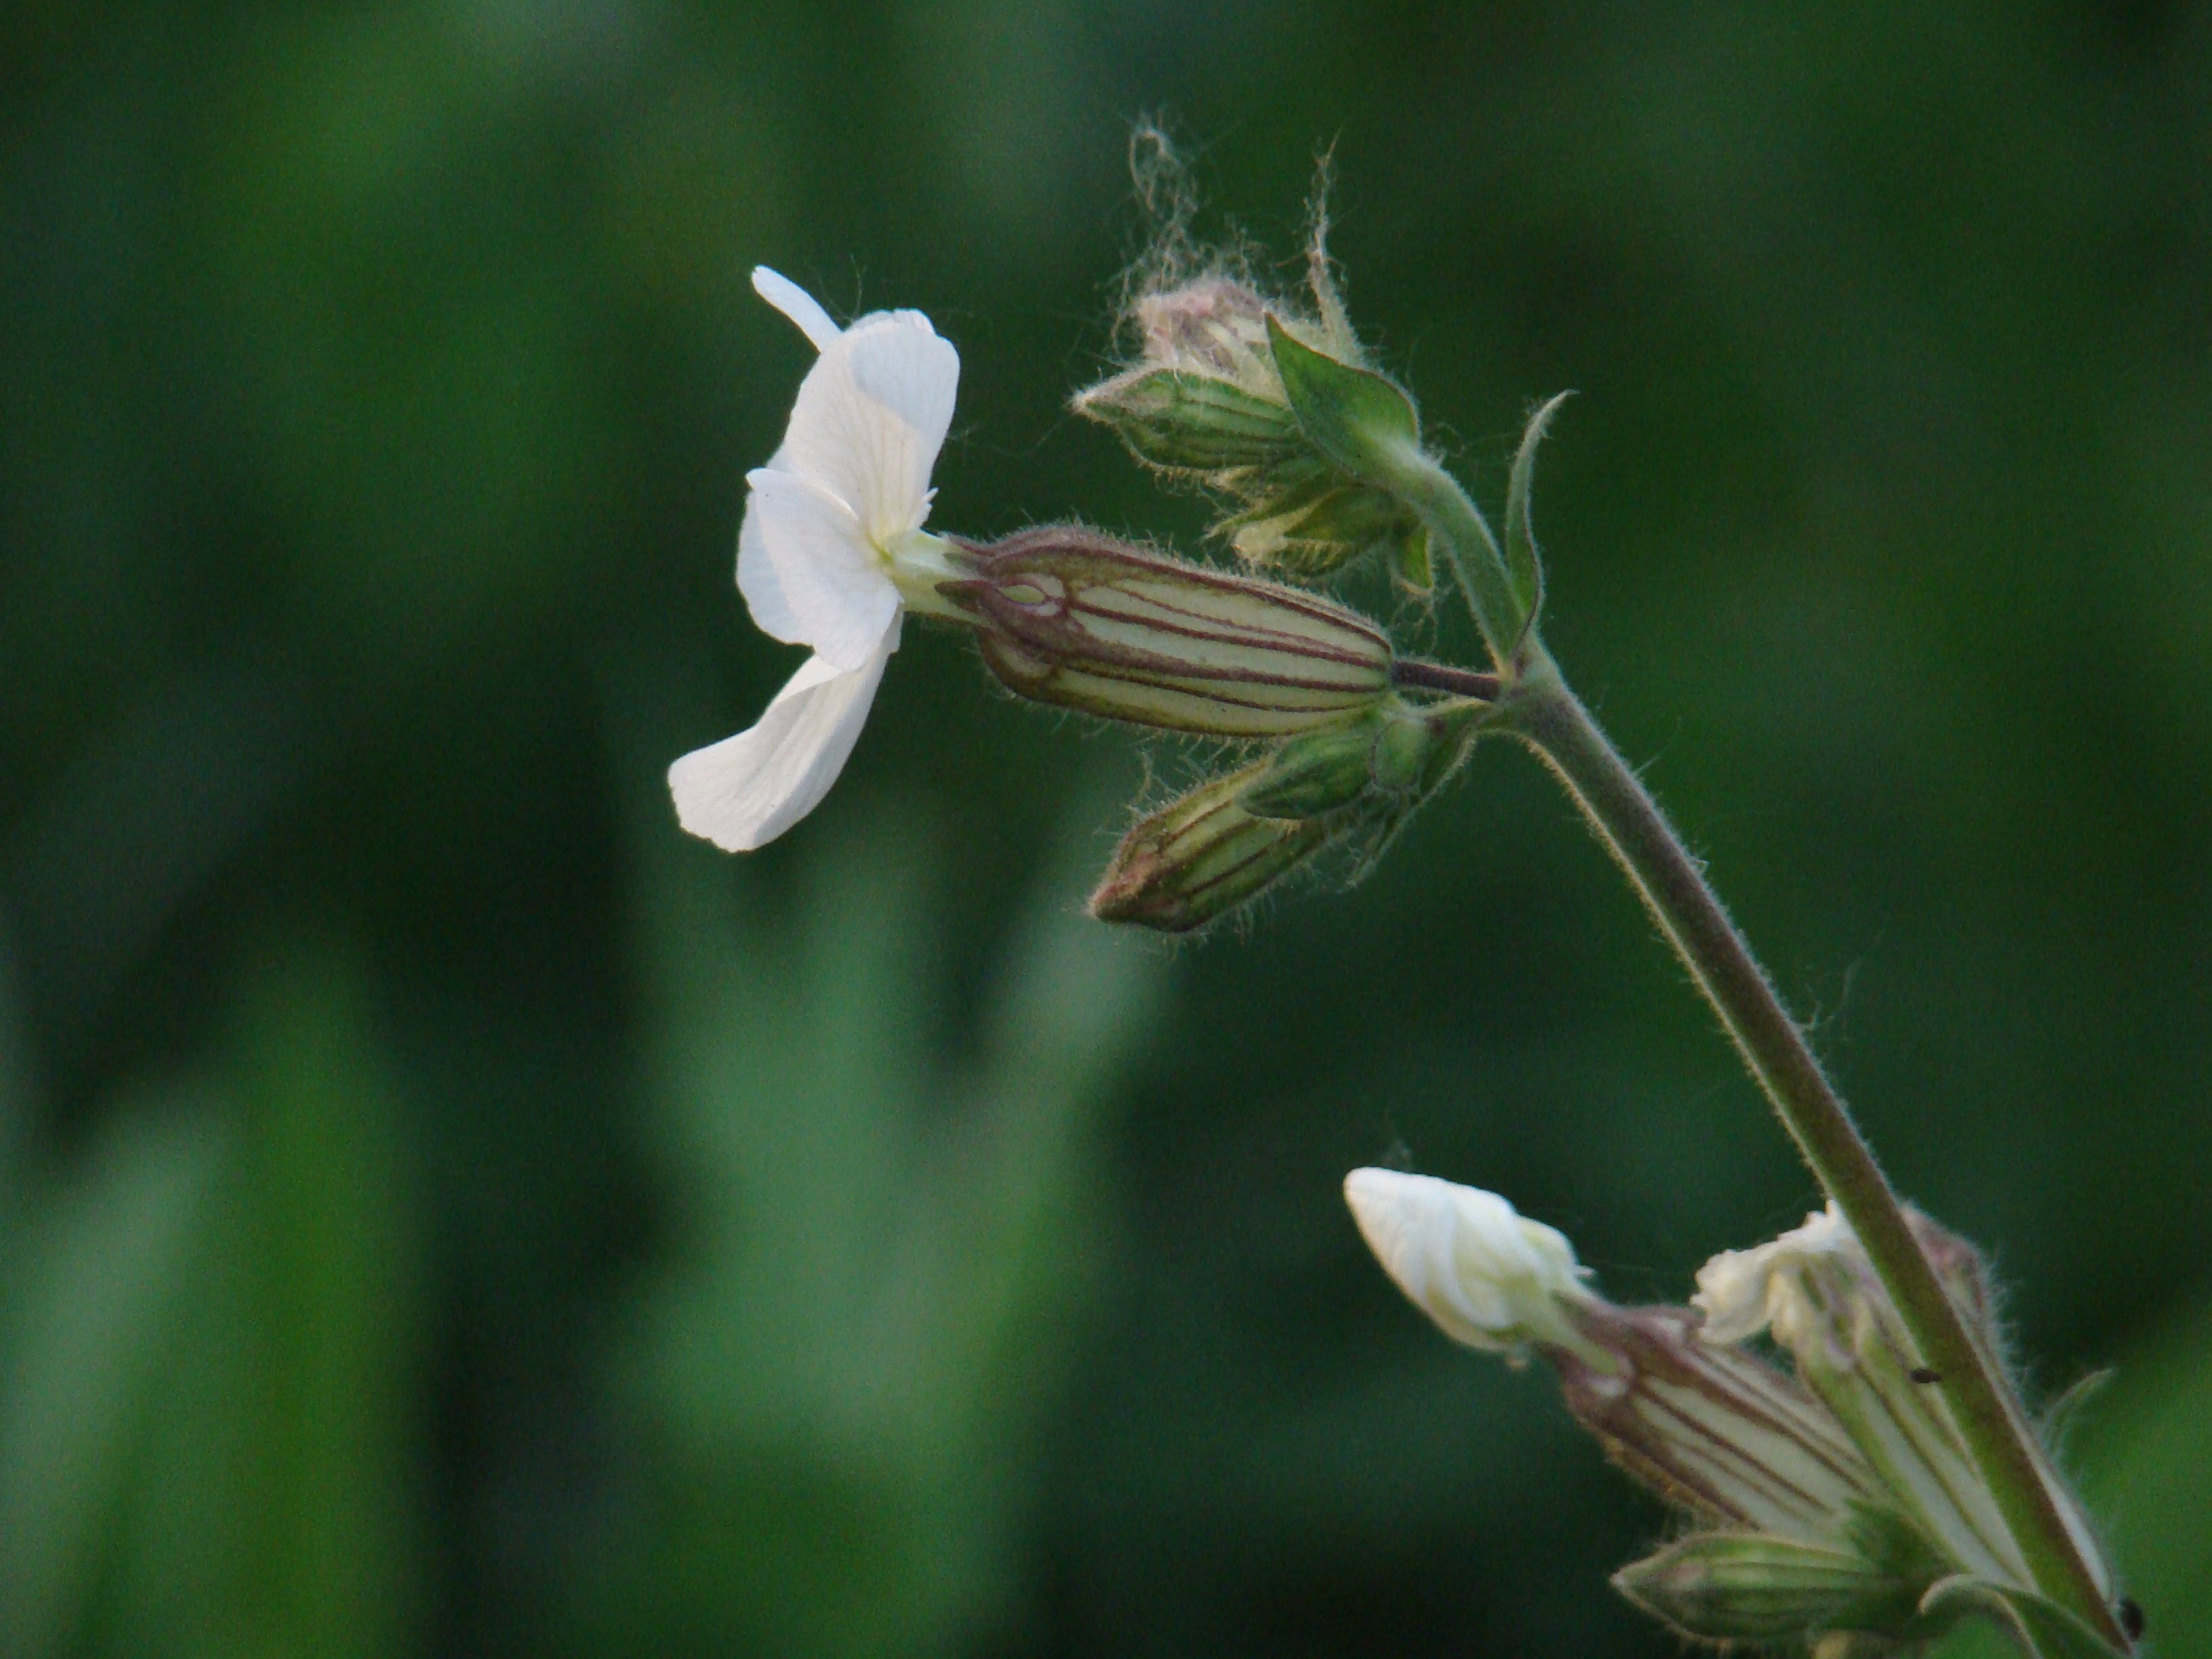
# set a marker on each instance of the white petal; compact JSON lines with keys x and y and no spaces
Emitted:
{"x":744,"y":792}
{"x":796,"y":303}
{"x":1490,"y":1276}
{"x":1737,"y":1289}
{"x":756,"y":579}
{"x":838,"y":595}
{"x":871,"y":417}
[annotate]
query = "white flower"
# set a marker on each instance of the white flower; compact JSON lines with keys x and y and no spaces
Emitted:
{"x":831,"y":555}
{"x":1743,"y":1292}
{"x":1489,"y":1276}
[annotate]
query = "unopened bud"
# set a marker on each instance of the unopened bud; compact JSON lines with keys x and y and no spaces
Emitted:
{"x":1186,"y":422}
{"x":1199,"y":858}
{"x":1306,"y":517}
{"x":1215,"y":325}
{"x":1490,"y":1276}
{"x":1750,"y":1586}
{"x":1311,"y":776}
{"x":1208,"y":402}
{"x":1395,"y":752}
{"x":1076,"y":619}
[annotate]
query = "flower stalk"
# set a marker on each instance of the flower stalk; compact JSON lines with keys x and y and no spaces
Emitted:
{"x":1369,"y":427}
{"x":1539,"y":708}
{"x":1320,"y":459}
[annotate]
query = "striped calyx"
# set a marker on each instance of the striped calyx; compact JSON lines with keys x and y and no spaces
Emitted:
{"x":1755,"y":1588}
{"x":1712,"y":1429}
{"x":1199,"y":858}
{"x":1078,"y":620}
{"x":1815,"y":1291}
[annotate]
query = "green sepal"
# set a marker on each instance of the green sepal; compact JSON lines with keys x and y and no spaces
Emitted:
{"x":1365,"y":423}
{"x":2038,"y":1627}
{"x":1314,"y":774}
{"x":1523,"y":568}
{"x":1185,"y":423}
{"x":1756,"y":1587}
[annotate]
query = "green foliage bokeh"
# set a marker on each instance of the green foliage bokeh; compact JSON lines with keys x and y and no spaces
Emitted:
{"x":442,"y":1209}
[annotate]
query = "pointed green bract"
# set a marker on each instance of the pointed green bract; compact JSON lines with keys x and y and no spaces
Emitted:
{"x":1411,"y":567}
{"x":1365,"y":423}
{"x":2061,"y":1414}
{"x":1305,"y":518}
{"x":2040,"y":1628}
{"x":1523,"y":568}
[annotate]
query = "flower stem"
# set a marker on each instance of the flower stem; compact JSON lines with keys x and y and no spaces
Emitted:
{"x":1443,"y":676}
{"x":1478,"y":563}
{"x":1541,"y":709}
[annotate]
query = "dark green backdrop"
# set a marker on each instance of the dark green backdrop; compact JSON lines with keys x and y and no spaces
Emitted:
{"x":443,"y":1210}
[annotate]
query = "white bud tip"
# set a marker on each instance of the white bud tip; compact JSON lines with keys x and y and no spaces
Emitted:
{"x":1487,"y":1274}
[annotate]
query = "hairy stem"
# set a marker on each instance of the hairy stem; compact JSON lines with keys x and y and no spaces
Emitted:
{"x":1478,"y":563}
{"x":1541,"y":709}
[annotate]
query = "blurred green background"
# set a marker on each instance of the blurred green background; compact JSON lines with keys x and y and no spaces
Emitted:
{"x":445,"y":1211}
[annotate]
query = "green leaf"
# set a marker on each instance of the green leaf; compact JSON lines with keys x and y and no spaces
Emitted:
{"x":96,"y":1304}
{"x":1522,"y":566}
{"x":2041,"y":1629}
{"x":271,"y":1502}
{"x":1362,"y":421}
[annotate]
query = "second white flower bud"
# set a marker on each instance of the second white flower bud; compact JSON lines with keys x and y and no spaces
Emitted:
{"x":1489,"y":1276}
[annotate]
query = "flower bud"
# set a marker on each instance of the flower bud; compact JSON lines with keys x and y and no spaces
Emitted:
{"x":1395,"y":752}
{"x":1199,"y":858}
{"x":1750,"y":1586}
{"x":1815,"y":1288}
{"x":1207,"y":401}
{"x":1186,"y":422}
{"x":1215,"y":325}
{"x":1307,"y":518}
{"x":1073,"y":618}
{"x":1487,"y":1275}
{"x":1312,"y":775}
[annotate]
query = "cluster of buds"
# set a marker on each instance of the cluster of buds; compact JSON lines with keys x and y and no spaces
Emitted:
{"x":1831,"y":1505}
{"x":1206,"y":402}
{"x":1069,"y":617}
{"x":833,"y":554}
